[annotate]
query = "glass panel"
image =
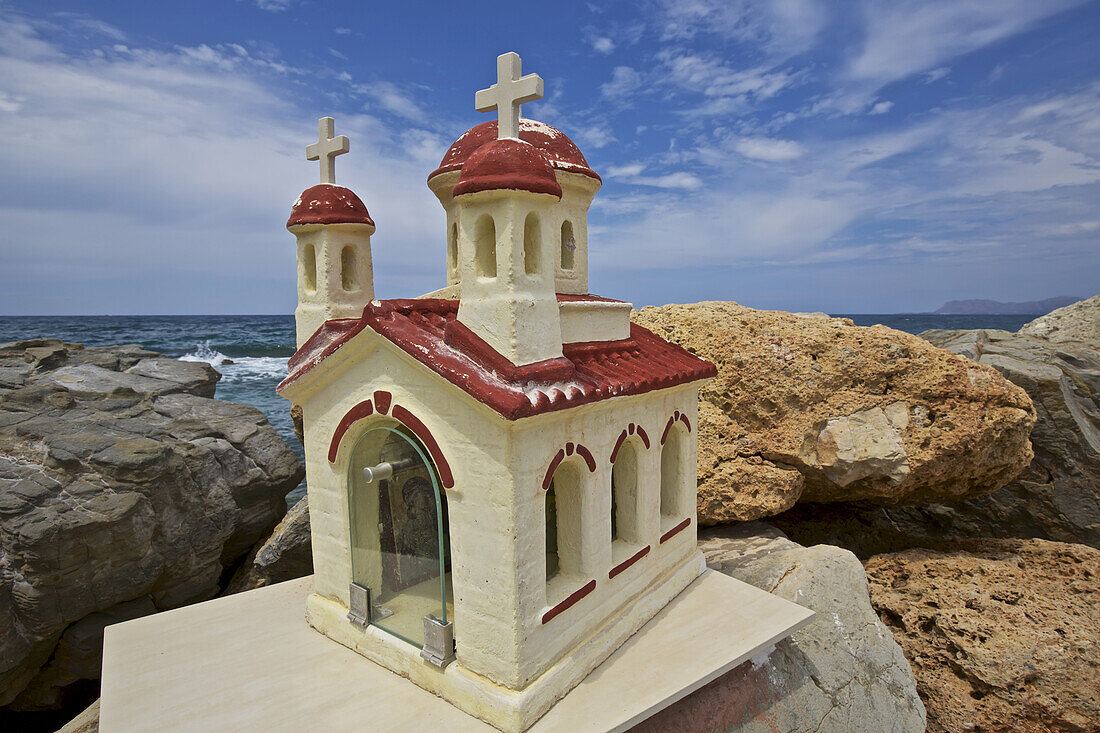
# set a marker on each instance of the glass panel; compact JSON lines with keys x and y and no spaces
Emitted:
{"x":400,"y":547}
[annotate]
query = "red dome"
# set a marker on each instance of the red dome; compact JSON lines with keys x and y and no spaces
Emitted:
{"x":562,"y":153}
{"x":507,"y":164}
{"x":327,"y":203}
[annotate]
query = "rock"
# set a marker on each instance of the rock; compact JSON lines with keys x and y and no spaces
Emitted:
{"x":843,"y":672}
{"x":1077,"y":322}
{"x":859,"y":414}
{"x":285,"y":555}
{"x":1002,"y":634}
{"x":1057,"y":497}
{"x":196,"y":377}
{"x":121,"y":493}
{"x":86,"y":722}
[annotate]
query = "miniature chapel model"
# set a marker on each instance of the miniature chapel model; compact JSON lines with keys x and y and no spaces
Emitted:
{"x":502,"y":476}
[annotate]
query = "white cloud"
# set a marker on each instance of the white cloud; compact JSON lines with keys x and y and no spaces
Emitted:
{"x":881,"y":108}
{"x":628,"y":170}
{"x":904,"y":37}
{"x":768,"y":149}
{"x":936,"y":74}
{"x":8,"y":104}
{"x":603,"y":44}
{"x":341,"y":31}
{"x":624,"y":82}
{"x":274,"y":6}
{"x":783,"y":28}
{"x":144,"y":165}
{"x":337,"y":54}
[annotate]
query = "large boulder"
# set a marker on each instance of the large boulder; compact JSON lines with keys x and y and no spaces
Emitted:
{"x":843,"y":672}
{"x":1057,"y":497}
{"x":285,"y":555}
{"x":1002,"y":634}
{"x":807,"y":408}
{"x":122,"y":492}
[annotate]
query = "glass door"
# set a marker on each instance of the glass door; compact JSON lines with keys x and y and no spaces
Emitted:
{"x":399,"y":538}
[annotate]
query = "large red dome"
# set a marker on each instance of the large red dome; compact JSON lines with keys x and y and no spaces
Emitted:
{"x":327,"y":203}
{"x":562,"y":152}
{"x":507,"y":164}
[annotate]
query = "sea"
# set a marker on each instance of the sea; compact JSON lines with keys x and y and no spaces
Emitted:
{"x":251,"y":352}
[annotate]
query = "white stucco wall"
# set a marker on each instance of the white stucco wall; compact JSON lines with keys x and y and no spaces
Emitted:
{"x":497,"y":522}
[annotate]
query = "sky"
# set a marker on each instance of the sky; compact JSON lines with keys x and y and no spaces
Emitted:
{"x":863,"y":156}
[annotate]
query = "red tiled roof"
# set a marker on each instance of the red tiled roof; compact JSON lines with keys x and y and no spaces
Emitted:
{"x":562,"y":152}
{"x":428,"y":330}
{"x":507,"y":164}
{"x":327,"y":203}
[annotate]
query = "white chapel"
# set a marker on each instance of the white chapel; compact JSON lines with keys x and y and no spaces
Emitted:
{"x":501,"y":475}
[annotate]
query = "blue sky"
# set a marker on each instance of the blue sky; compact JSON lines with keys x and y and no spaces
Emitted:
{"x":799,"y":154}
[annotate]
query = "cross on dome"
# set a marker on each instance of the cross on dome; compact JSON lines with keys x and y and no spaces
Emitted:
{"x":508,"y":93}
{"x":327,"y":148}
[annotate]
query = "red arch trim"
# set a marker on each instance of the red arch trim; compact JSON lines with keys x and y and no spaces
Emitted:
{"x":684,"y":420}
{"x":420,"y":430}
{"x":363,"y":409}
{"x":632,"y":429}
{"x":677,"y":415}
{"x":406,"y":418}
{"x":587,"y":456}
{"x":558,"y":458}
{"x":382,"y":400}
{"x":570,"y":449}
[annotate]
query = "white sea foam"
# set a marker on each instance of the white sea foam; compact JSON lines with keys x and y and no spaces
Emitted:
{"x":242,"y":368}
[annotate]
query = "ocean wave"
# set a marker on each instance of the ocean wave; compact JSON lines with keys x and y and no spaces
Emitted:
{"x":241,"y":368}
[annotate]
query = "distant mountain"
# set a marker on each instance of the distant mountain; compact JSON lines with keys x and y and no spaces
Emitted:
{"x":994,"y":307}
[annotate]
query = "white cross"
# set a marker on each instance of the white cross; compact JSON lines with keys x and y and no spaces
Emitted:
{"x":508,"y":93}
{"x":327,"y":148}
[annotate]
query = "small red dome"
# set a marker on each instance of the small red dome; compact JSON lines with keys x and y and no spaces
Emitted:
{"x":507,"y":164}
{"x":327,"y":203}
{"x":562,"y":153}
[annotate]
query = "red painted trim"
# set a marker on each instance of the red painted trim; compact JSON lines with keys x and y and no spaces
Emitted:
{"x":628,"y":562}
{"x":568,"y":449}
{"x":618,"y":445}
{"x":684,"y":420}
{"x":672,"y":532}
{"x":668,"y":427}
{"x":553,"y":467}
{"x":363,"y":409}
{"x":587,"y":456}
{"x":420,"y":430}
{"x":572,"y":599}
{"x":643,"y":436}
{"x":382,"y":402}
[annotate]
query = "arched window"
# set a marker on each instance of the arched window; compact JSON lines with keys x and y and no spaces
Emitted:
{"x":452,"y":249}
{"x":568,"y":245}
{"x":673,"y":476}
{"x":309,"y":268}
{"x":563,"y":522}
{"x":531,"y":254}
{"x":624,"y":494}
{"x":348,"y":277}
{"x":485,"y":247}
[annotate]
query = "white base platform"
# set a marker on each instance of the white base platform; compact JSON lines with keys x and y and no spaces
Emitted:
{"x":250,"y":662}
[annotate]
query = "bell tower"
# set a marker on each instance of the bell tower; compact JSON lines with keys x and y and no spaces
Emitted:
{"x":333,"y":229}
{"x":504,"y":196}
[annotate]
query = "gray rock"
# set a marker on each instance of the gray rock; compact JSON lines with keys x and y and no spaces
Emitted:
{"x":196,"y":377}
{"x":285,"y":555}
{"x":121,"y":493}
{"x":843,"y":672}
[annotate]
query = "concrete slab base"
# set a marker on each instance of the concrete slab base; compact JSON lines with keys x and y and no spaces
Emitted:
{"x":251,"y":662}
